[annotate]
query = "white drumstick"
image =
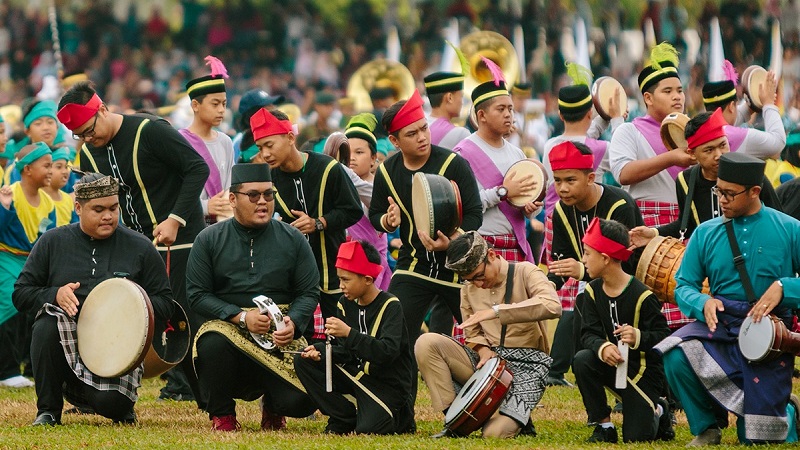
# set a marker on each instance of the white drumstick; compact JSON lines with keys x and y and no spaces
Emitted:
{"x":621,"y":381}
{"x":328,"y":366}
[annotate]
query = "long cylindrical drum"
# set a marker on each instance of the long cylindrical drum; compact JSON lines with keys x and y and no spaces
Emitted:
{"x":658,"y":266}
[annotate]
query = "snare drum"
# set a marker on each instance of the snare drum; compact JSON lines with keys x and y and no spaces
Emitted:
{"x":603,"y":91}
{"x":524,"y":168}
{"x":115,"y":328}
{"x":752,"y":79}
{"x":672,"y":130}
{"x":480,"y":397}
{"x":767,"y":339}
{"x":436,"y":204}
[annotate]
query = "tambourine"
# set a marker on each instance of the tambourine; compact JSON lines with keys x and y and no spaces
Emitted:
{"x":267,"y":306}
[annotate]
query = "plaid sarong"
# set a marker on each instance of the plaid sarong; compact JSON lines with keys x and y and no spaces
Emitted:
{"x":657,"y":214}
{"x":68,"y":332}
{"x":507,"y":246}
{"x":569,"y":291}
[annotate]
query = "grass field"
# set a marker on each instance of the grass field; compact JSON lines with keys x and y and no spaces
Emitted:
{"x":560,"y":422}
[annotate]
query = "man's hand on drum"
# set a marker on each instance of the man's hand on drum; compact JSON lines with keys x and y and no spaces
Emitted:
{"x":611,"y":355}
{"x":305,"y":223}
{"x":613,"y":105}
{"x":256,"y":322}
{"x":166,"y":232}
{"x":6,"y":196}
{"x":710,"y":312}
{"x":311,"y":353}
{"x":771,"y":298}
{"x":485,"y":354}
{"x":519,"y":185}
{"x":680,"y":157}
{"x":478,"y":317}
{"x":441,"y":243}
{"x":66,"y":300}
{"x":391,"y":220}
{"x":767,"y":90}
{"x":567,"y":267}
{"x":336,"y":328}
{"x":626,"y":334}
{"x":284,"y":337}
{"x":641,"y":236}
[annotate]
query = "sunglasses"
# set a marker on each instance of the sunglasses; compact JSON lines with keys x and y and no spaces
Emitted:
{"x":254,"y":196}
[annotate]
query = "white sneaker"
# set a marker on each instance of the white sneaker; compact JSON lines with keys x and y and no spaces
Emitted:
{"x":17,"y":382}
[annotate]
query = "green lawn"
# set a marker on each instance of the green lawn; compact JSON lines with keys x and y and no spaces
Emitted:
{"x":560,"y":421}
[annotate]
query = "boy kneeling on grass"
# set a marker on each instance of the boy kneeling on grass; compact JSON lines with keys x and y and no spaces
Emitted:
{"x":371,"y":353}
{"x":620,"y":312}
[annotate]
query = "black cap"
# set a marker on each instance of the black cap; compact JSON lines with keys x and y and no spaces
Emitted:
{"x":250,"y":173}
{"x":487,"y":90}
{"x":741,"y":169}
{"x":718,"y":93}
{"x":209,"y":84}
{"x":443,"y":82}
{"x":651,"y":75}
{"x":574,"y":99}
{"x":522,"y":89}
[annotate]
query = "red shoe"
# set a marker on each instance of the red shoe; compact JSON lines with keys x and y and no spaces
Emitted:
{"x":225,"y":423}
{"x":269,"y":421}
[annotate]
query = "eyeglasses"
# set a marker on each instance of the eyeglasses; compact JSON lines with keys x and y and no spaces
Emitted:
{"x":254,"y":196}
{"x":89,"y":133}
{"x":728,"y":196}
{"x":480,"y":276}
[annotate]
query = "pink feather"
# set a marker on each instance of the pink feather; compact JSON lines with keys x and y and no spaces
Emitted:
{"x":730,"y":72}
{"x":497,"y":72}
{"x":217,"y":68}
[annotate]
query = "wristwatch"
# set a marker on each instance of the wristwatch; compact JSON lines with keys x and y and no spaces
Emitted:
{"x":496,"y":309}
{"x":319,"y":225}
{"x":502,"y":192}
{"x":242,"y":321}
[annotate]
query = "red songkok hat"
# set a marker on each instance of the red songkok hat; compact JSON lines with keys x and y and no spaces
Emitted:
{"x":567,"y":156}
{"x":714,"y":128}
{"x":264,"y":124}
{"x":351,"y":257}
{"x":73,"y":115}
{"x":409,"y":113}
{"x":595,"y":239}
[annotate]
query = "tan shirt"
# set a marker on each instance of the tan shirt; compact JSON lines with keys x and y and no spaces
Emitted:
{"x":533,"y":300}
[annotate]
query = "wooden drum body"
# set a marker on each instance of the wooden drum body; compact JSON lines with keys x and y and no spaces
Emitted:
{"x":672,"y":130}
{"x":603,"y":91}
{"x":524,"y":168}
{"x":480,"y":397}
{"x":767,"y":339}
{"x":436,"y":204}
{"x":658,"y":266}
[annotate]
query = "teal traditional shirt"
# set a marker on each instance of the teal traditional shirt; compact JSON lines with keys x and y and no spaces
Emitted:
{"x":770,"y":244}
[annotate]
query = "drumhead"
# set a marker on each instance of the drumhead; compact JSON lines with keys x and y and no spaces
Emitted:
{"x":523,"y":168}
{"x":115,"y":326}
{"x":672,"y":130}
{"x":436,"y":204}
{"x":756,"y":339}
{"x":756,"y":77}
{"x":471,"y":389}
{"x":602,"y":91}
{"x":422,"y":203}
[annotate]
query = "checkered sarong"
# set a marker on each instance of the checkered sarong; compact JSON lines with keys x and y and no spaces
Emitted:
{"x":319,"y":325}
{"x":657,"y":214}
{"x":569,"y":291}
{"x":507,"y":246}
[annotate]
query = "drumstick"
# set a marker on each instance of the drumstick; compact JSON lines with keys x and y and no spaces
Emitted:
{"x":293,"y":352}
{"x":328,"y":366}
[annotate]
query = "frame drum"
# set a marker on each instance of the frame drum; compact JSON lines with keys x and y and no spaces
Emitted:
{"x":524,"y":168}
{"x":436,"y":204}
{"x":480,"y":397}
{"x":752,"y":79}
{"x":115,"y":327}
{"x":672,"y":130}
{"x":602,"y":91}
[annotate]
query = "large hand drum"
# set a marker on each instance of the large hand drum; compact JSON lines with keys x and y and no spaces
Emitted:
{"x":658,"y":266}
{"x":767,"y":339}
{"x":603,"y":90}
{"x":436,"y":204}
{"x":673,"y":130}
{"x":480,"y":397}
{"x":527,"y":167}
{"x":752,"y":80}
{"x":115,"y":327}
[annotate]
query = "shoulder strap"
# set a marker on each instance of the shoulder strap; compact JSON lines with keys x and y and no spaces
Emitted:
{"x":507,"y":299}
{"x":738,"y":262}
{"x":687,"y":203}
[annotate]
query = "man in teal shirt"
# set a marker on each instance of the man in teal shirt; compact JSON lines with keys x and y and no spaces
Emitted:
{"x":703,"y":363}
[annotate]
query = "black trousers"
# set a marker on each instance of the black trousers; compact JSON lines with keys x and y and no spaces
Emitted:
{"x":380,"y":410}
{"x":563,"y":346}
{"x":51,"y":374}
{"x":441,"y":320}
{"x":10,"y":346}
{"x":226,"y":373}
{"x":639,"y":422}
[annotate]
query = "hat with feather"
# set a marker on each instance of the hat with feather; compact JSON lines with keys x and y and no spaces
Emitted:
{"x":663,"y":64}
{"x":492,"y":88}
{"x":576,"y":98}
{"x":209,"y":84}
{"x":717,"y":94}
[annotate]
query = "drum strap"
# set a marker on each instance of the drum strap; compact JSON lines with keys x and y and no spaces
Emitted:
{"x":507,"y":299}
{"x":738,"y":262}
{"x":687,"y":203}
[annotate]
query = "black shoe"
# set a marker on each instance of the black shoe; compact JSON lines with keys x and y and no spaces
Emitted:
{"x":444,"y":433}
{"x":175,"y":397}
{"x":80,"y":410}
{"x":46,"y":418}
{"x":557,"y":381}
{"x":601,"y":434}
{"x":666,"y":430}
{"x":528,"y":429}
{"x":128,"y":419}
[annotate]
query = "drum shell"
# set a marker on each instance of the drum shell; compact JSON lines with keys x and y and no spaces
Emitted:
{"x":486,"y":402}
{"x":658,"y":266}
{"x":672,"y":131}
{"x":601,"y":96}
{"x":168,"y":347}
{"x":436,"y":204}
{"x":525,"y":167}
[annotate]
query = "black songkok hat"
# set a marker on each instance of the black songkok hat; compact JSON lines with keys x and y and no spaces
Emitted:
{"x":522,"y":89}
{"x":443,"y":82}
{"x":718,"y":93}
{"x":209,"y":84}
{"x":574,"y":99}
{"x":250,"y":173}
{"x":741,"y":169}
{"x":488,"y":90}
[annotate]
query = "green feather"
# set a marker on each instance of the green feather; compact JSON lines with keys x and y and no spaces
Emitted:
{"x":578,"y":74}
{"x":663,"y":52}
{"x":461,"y":58}
{"x":363,"y":120}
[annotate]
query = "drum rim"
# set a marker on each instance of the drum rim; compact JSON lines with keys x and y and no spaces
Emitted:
{"x":423,"y":180}
{"x":674,"y":119}
{"x":490,"y":367}
{"x":770,"y":350}
{"x":746,"y":75}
